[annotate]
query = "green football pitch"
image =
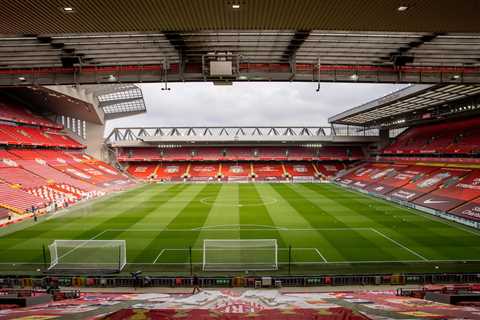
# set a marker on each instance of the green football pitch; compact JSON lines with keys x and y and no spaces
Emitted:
{"x":329,"y":230}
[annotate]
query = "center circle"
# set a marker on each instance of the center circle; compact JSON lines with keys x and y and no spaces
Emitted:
{"x":210,"y":201}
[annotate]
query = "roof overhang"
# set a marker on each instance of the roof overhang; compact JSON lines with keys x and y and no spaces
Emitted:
{"x":253,"y":140}
{"x":142,"y":137}
{"x":415,"y":101}
{"x":111,"y":41}
{"x":60,"y":100}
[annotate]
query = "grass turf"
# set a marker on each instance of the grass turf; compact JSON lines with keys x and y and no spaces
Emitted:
{"x":330,"y":230}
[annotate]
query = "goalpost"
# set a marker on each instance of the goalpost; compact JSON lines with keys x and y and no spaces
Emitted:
{"x":240,"y":255}
{"x":105,"y":255}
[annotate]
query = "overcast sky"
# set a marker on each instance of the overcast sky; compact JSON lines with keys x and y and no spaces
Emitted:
{"x":245,"y":104}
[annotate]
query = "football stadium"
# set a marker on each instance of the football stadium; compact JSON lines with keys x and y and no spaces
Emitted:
{"x":116,"y":203}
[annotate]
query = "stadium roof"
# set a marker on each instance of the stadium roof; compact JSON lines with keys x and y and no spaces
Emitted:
{"x":77,"y":16}
{"x":357,"y":48}
{"x":414,"y":100}
{"x":147,"y":136}
{"x":267,"y":55}
{"x":87,"y":41}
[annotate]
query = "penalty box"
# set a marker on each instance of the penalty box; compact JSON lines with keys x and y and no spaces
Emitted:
{"x":351,"y":245}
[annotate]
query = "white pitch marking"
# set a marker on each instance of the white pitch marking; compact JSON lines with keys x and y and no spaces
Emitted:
{"x":399,"y":244}
{"x":411,"y":210}
{"x":161,"y":252}
{"x":282,"y":263}
{"x":321,"y":255}
{"x":238,"y":227}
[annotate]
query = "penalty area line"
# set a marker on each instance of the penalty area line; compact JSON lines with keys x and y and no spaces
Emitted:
{"x":399,"y":244}
{"x":321,"y":255}
{"x":156,"y":259}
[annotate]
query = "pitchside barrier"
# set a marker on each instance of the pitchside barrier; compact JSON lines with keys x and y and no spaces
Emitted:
{"x":248,"y":281}
{"x":87,"y":255}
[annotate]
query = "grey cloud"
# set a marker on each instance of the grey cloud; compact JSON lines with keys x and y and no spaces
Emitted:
{"x":290,"y":104}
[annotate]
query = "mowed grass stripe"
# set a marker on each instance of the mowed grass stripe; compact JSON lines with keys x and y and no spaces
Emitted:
{"x":26,"y":245}
{"x":285,"y":215}
{"x":224,"y":214}
{"x":140,"y":234}
{"x":73,"y":215}
{"x":254,"y":212}
{"x":352,"y":244}
{"x":192,"y":216}
{"x":431,"y":239}
{"x":123,"y":220}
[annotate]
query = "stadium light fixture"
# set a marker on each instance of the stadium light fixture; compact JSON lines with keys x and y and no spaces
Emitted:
{"x":402,"y":8}
{"x":68,"y":9}
{"x":235,"y":6}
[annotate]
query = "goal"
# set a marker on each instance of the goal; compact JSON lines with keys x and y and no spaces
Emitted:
{"x":100,"y":255}
{"x":240,"y":255}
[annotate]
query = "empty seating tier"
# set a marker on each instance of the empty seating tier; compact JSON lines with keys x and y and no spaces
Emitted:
{"x":453,"y":137}
{"x":143,"y":154}
{"x":454,"y":190}
{"x":18,"y":200}
{"x":15,"y":112}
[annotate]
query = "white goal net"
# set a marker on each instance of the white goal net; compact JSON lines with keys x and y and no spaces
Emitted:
{"x":88,"y":254}
{"x":240,"y":255}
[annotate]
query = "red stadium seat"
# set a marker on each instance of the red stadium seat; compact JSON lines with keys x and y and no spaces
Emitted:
{"x":199,"y":171}
{"x":269,"y":171}
{"x":14,"y":112}
{"x":171,"y":171}
{"x":142,"y":170}
{"x":300,"y":169}
{"x":18,"y":200}
{"x":236,"y":171}
{"x":453,"y":137}
{"x":239,"y":154}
